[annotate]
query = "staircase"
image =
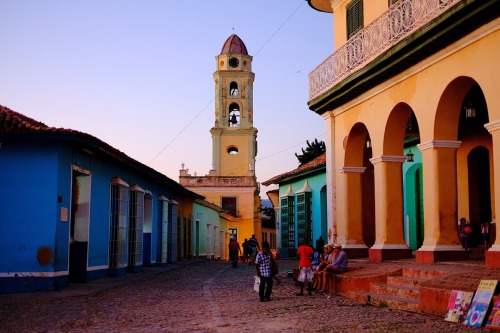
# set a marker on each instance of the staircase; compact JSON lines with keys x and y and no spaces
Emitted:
{"x":400,"y":291}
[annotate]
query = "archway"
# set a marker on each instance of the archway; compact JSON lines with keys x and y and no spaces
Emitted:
{"x":360,"y":194}
{"x":474,"y":174}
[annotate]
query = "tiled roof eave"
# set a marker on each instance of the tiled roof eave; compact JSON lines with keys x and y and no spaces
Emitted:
{"x":294,"y":176}
{"x":97,"y":146}
{"x":318,"y":163}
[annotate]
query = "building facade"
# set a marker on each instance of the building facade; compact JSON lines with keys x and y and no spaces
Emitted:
{"x":410,"y":103}
{"x":210,"y":231}
{"x":75,"y":209}
{"x":301,"y":205}
{"x":232,"y":184}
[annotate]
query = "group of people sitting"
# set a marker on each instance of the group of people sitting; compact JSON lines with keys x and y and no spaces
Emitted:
{"x":316,"y":264}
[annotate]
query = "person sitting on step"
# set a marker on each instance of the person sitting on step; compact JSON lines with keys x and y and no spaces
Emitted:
{"x":338,"y":265}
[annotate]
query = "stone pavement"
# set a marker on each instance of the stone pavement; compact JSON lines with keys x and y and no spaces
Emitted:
{"x":209,"y":296}
{"x":100,"y":285}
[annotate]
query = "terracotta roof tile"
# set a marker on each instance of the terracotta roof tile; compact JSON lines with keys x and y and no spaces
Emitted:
{"x":14,"y":123}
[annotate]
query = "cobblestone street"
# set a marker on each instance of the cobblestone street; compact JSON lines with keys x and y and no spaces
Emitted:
{"x":207,"y":297}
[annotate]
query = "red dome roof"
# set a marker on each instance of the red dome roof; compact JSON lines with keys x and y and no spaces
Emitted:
{"x":234,"y":44}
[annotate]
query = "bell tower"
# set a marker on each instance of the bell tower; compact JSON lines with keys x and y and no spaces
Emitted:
{"x":234,"y":139}
{"x":231,"y":183}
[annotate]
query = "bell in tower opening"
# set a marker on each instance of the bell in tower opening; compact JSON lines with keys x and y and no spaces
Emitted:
{"x":234,"y":115}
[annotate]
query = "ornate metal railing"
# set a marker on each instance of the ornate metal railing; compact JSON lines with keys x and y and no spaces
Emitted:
{"x":399,"y":21}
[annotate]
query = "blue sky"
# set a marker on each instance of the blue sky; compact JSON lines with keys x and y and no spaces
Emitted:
{"x":138,"y":74}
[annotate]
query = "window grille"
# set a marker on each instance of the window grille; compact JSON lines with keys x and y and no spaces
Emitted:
{"x":118,"y":224}
{"x":162,"y":245}
{"x":173,"y":222}
{"x":136,"y":223}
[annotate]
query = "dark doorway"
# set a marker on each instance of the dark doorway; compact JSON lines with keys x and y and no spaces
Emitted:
{"x":478,"y":162}
{"x":79,"y":226}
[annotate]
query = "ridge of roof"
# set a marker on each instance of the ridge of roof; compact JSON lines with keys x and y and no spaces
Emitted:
{"x":10,"y":119}
{"x":311,"y":165}
{"x":12,"y":122}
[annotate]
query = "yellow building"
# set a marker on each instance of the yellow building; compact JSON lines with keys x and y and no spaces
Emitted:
{"x":411,"y":78}
{"x":232,"y":184}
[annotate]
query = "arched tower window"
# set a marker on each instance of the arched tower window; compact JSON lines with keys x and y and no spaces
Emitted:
{"x":233,"y":89}
{"x":234,"y":115}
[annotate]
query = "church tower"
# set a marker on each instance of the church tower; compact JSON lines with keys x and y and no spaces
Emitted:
{"x":234,"y":139}
{"x":231,"y":183}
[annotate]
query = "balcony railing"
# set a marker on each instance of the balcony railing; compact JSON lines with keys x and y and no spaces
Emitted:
{"x":399,"y":21}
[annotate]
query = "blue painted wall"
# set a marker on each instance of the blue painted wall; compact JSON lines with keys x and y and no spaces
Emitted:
{"x":35,"y":184}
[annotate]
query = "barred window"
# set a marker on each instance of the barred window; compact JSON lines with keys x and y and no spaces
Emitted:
{"x":173,"y":222}
{"x":136,"y":223}
{"x":118,"y":224}
{"x":162,"y":245}
{"x":354,"y":17}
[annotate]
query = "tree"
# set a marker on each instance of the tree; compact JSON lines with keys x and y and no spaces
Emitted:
{"x":268,"y":217}
{"x":313,"y":150}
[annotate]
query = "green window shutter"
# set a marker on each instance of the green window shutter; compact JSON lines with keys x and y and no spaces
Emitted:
{"x":301,"y":217}
{"x":354,"y":17}
{"x":291,"y":223}
{"x":284,"y":222}
{"x":304,"y":216}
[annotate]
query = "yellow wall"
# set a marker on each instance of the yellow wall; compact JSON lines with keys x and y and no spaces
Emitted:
{"x":237,"y":164}
{"x":372,"y":10}
{"x":246,"y":223}
{"x":424,"y":89}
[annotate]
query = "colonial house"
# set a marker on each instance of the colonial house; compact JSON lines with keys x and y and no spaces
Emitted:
{"x":302,"y":205}
{"x":75,"y":209}
{"x":211,"y":232}
{"x":412,"y":112}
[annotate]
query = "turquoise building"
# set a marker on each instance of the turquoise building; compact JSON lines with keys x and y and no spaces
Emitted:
{"x":302,"y":205}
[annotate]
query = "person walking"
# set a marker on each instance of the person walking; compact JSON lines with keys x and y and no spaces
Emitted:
{"x":234,"y":251}
{"x":253,"y":247}
{"x":263,"y":266}
{"x":305,"y":254}
{"x":245,"y":250}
